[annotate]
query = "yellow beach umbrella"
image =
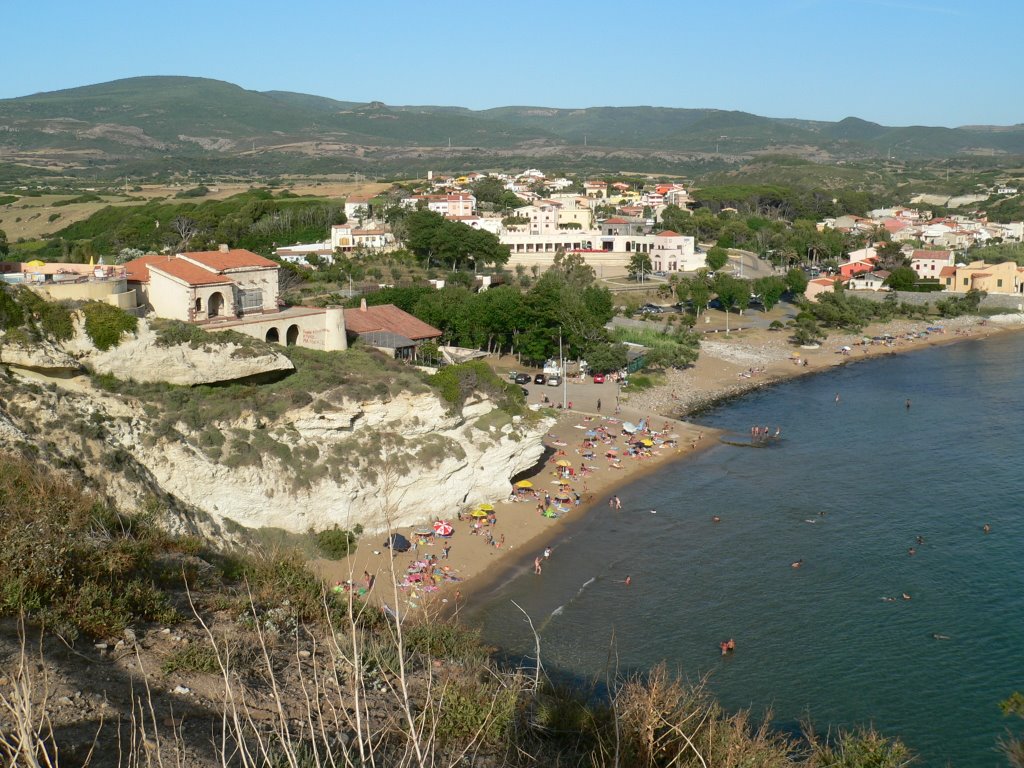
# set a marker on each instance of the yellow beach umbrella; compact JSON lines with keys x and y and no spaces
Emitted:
{"x":478,"y":513}
{"x":563,"y":463}
{"x":648,"y":442}
{"x":524,"y":484}
{"x":35,"y":263}
{"x":487,"y":507}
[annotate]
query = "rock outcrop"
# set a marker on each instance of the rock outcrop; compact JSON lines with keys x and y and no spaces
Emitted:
{"x":375,"y":463}
{"x":141,"y":358}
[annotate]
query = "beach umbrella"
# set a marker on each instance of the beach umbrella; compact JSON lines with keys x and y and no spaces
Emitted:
{"x":398,"y":543}
{"x":524,"y":484}
{"x":443,"y":528}
{"x":563,"y":497}
{"x":647,"y":441}
{"x":486,"y":507}
{"x":478,"y":513}
{"x":628,"y":426}
{"x":563,"y":463}
{"x":424,"y":531}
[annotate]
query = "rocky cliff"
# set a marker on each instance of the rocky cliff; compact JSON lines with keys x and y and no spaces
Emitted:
{"x":339,"y":459}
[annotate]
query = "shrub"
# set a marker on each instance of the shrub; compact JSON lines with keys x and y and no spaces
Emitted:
{"x":71,"y":562}
{"x":194,"y":657}
{"x":105,"y":324}
{"x":336,"y":543}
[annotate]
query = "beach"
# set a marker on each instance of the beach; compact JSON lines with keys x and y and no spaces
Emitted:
{"x":729,"y":365}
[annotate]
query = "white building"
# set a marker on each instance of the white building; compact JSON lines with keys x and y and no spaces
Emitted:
{"x":929,"y":264}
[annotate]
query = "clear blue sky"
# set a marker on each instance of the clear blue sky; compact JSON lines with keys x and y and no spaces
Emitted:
{"x":896,"y":62}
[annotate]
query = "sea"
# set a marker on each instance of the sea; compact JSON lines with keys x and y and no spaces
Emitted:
{"x":855,"y":478}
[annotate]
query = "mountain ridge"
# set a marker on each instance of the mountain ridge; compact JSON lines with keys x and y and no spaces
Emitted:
{"x":169,"y":116}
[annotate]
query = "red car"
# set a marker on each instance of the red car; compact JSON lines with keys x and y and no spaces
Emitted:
{"x":599,"y":378}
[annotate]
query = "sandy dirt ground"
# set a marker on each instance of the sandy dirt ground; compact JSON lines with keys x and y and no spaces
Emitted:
{"x":728,"y":366}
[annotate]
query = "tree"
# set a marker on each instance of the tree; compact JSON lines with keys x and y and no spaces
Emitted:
{"x":696,"y":290}
{"x":676,"y":219}
{"x":891,"y":258}
{"x":902,"y":279}
{"x":604,"y":357}
{"x":770,"y":289}
{"x":639,"y":265}
{"x":733,"y":293}
{"x":186,"y":229}
{"x":716,"y":258}
{"x":806,"y":330}
{"x":5,"y":248}
{"x":796,"y":281}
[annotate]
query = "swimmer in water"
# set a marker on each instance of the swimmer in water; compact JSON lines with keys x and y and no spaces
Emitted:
{"x":920,"y":540}
{"x":911,"y":551}
{"x":905,"y":596}
{"x":798,"y":564}
{"x":716,"y":519}
{"x":628,"y":581}
{"x":986,"y":528}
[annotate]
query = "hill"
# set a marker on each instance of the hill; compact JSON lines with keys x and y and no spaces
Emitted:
{"x":154,"y":124}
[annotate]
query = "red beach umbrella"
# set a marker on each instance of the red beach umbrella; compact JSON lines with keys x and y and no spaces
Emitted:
{"x":443,"y":528}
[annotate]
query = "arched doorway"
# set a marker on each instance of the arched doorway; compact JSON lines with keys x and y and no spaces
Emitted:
{"x":273,"y":336}
{"x":214,"y":304}
{"x":292,"y":336}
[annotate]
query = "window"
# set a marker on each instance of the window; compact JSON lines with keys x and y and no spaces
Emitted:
{"x":965,"y":281}
{"x":999,"y":283}
{"x":250,"y":300}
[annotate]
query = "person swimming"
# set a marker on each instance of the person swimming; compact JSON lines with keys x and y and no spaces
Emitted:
{"x":716,"y":519}
{"x":986,"y":528}
{"x":798,"y":564}
{"x":911,"y":551}
{"x":905,"y":596}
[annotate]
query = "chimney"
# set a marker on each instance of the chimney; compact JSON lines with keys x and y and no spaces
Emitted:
{"x":362,"y":305}
{"x":223,"y":248}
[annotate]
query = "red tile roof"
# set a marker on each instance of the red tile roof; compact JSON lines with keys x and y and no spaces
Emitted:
{"x":931,"y":254}
{"x":138,"y":269}
{"x":947,"y":272}
{"x":388,"y":317}
{"x":236,"y":258}
{"x":668,"y":233}
{"x":616,"y":220}
{"x":190,"y":273}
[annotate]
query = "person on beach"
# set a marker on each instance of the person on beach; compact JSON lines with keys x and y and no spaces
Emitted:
{"x":547,"y":552}
{"x":599,"y":405}
{"x":501,"y":542}
{"x":445,"y":550}
{"x":536,"y":566}
{"x":611,"y":503}
{"x":618,"y":505}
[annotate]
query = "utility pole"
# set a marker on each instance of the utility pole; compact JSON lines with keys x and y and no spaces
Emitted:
{"x":561,"y":366}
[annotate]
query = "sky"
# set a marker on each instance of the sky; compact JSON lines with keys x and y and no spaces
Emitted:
{"x":895,"y":62}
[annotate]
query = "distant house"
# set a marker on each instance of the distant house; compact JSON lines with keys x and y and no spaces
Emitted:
{"x":929,"y":264}
{"x":673,"y":252}
{"x":1005,"y":277}
{"x":820,"y":285}
{"x":389,"y":329}
{"x":869,"y":281}
{"x":202,"y":285}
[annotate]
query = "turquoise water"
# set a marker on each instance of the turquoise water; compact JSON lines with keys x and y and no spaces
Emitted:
{"x":847,"y":490}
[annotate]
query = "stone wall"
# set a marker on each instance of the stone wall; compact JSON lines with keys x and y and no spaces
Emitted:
{"x":1014,"y":302}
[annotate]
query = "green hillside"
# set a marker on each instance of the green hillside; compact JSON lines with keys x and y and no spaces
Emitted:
{"x":168,"y":123}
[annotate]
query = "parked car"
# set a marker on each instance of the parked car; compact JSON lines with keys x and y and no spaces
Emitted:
{"x":512,"y":375}
{"x":651,"y":309}
{"x":540,"y":378}
{"x":554,"y":381}
{"x":599,"y":378}
{"x":523,"y":378}
{"x":659,"y":274}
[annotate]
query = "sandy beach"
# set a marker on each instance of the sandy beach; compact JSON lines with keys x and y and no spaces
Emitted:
{"x":729,"y":365}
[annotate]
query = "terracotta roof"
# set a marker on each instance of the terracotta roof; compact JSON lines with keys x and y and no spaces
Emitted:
{"x":668,"y":233}
{"x":190,"y":273}
{"x":388,"y":317}
{"x":616,"y":220}
{"x":947,"y":271}
{"x":138,"y":269}
{"x":236,"y":258}
{"x":917,"y":254}
{"x":367,"y":231}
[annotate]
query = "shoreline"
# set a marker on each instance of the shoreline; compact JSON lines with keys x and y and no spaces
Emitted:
{"x":483,"y":570}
